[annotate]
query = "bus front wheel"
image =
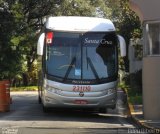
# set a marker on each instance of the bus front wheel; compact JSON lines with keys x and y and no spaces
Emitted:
{"x":39,"y":100}
{"x":46,"y":109}
{"x":103,"y":110}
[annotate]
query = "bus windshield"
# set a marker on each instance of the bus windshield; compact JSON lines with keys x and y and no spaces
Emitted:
{"x":82,"y":56}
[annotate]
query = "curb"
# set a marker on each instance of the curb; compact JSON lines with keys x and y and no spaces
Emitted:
{"x":136,"y":120}
{"x":139,"y":123}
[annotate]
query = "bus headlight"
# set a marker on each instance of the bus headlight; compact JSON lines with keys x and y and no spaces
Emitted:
{"x":53,"y":90}
{"x":111,"y":91}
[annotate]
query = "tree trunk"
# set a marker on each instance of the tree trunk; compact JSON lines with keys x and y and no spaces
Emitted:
{"x":25,"y":79}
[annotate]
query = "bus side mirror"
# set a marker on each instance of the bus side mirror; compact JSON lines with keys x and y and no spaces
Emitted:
{"x":122,"y":44}
{"x":40,"y":44}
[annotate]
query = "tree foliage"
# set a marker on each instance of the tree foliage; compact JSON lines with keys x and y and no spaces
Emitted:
{"x":126,"y":21}
{"x":21,"y":21}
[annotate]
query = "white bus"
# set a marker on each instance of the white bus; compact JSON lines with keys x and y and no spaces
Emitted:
{"x":79,"y":63}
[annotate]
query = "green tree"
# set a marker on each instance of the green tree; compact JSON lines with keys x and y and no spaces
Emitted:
{"x":126,"y":21}
{"x":10,"y":62}
{"x":21,"y":21}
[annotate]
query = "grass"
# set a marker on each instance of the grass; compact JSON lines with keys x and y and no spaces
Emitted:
{"x":27,"y":88}
{"x":134,"y":97}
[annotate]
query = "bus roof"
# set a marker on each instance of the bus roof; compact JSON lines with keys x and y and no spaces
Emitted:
{"x":84,"y":24}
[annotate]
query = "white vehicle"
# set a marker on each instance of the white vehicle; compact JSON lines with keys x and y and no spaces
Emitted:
{"x":79,"y":65}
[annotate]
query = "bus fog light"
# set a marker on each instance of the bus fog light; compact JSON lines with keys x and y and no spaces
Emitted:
{"x":111,"y":91}
{"x":113,"y":100}
{"x":50,"y":89}
{"x":47,"y":99}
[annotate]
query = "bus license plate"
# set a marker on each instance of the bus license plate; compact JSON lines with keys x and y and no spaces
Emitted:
{"x":83,"y":102}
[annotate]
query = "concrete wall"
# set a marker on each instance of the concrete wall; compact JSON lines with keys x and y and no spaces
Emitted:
{"x":151,"y":87}
{"x":146,"y":9}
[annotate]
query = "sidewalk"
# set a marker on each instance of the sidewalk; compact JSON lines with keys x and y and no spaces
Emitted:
{"x":136,"y":112}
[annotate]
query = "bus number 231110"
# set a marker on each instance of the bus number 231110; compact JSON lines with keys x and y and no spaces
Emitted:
{"x":81,"y":88}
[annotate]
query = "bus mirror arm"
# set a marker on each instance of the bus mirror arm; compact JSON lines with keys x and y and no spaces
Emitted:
{"x":122,"y":44}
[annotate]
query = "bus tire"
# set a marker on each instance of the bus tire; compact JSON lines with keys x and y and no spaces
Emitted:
{"x":103,"y":110}
{"x":39,"y":100}
{"x":46,"y":109}
{"x":113,"y":107}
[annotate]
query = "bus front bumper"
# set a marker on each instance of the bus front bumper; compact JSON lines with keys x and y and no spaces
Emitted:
{"x":55,"y":100}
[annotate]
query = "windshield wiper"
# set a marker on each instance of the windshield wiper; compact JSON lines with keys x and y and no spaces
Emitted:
{"x":69,"y":69}
{"x":93,"y":69}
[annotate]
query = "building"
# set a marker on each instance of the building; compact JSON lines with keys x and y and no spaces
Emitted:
{"x":149,"y":14}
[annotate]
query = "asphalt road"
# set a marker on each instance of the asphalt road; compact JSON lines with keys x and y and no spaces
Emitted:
{"x":26,"y":117}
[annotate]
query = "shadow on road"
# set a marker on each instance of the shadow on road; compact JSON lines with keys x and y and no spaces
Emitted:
{"x":25,"y":107}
